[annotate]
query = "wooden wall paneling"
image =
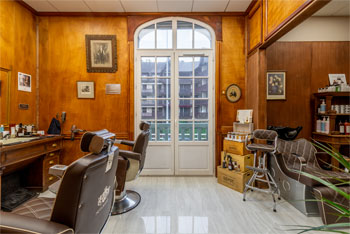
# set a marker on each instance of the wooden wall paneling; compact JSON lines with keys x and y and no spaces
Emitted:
{"x":329,"y":57}
{"x":230,"y":69}
{"x":18,"y":53}
{"x":279,"y":12}
{"x":307,"y":65}
{"x":256,"y":83}
{"x":295,"y":59}
{"x":280,"y":17}
{"x":255,"y":24}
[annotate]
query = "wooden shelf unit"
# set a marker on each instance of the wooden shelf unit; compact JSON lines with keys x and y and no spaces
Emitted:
{"x":336,"y":141}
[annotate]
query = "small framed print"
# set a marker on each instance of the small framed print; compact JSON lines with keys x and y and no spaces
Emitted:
{"x":86,"y":89}
{"x":337,"y":79}
{"x":101,"y":53}
{"x":24,"y":82}
{"x":276,"y":85}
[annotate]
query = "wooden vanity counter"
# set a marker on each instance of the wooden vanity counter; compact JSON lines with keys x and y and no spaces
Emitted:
{"x":33,"y":158}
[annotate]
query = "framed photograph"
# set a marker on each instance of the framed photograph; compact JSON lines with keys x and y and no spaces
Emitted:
{"x":337,"y":79}
{"x":101,"y":53}
{"x":276,"y":85}
{"x":24,"y":82}
{"x":86,"y":89}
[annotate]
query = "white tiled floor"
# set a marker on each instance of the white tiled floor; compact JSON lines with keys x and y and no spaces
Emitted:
{"x":201,"y":205}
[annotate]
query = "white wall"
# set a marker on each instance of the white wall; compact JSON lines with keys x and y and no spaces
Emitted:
{"x":320,"y":28}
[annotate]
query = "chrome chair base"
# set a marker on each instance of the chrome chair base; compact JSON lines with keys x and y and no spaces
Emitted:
{"x":128,"y":201}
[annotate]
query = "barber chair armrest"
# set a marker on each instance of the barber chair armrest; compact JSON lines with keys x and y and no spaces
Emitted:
{"x":130,"y":155}
{"x":126,"y":142}
{"x":58,"y":170}
{"x":14,"y":223}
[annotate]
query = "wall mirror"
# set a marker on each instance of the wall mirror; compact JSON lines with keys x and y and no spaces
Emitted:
{"x":5,"y":81}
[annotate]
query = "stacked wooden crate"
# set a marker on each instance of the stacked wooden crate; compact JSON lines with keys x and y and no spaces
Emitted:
{"x":235,"y":179}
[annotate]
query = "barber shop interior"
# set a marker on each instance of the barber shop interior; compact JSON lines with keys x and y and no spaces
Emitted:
{"x":175,"y":116}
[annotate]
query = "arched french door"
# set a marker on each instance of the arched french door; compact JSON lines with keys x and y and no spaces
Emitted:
{"x":174,"y":90}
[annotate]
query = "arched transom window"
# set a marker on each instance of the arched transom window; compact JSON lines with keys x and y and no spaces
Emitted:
{"x":187,"y":35}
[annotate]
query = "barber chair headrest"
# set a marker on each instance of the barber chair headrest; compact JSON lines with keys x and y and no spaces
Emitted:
{"x":96,"y":141}
{"x":144,"y":126}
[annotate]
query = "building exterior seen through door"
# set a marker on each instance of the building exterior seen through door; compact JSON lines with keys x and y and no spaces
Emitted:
{"x":174,"y":91}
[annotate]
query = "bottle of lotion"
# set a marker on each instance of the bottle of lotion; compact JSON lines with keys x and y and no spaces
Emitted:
{"x":341,"y":128}
{"x":318,"y":125}
{"x":323,"y":107}
{"x":327,"y":125}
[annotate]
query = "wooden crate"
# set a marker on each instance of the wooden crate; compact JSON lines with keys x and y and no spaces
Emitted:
{"x":232,"y":179}
{"x":235,"y":147}
{"x":242,"y":160}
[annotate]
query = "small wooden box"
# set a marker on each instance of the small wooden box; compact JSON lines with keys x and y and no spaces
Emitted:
{"x":232,"y":179}
{"x":242,"y":160}
{"x":235,"y":147}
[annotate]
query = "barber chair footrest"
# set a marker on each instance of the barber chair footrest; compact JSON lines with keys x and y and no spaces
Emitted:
{"x":129,"y":201}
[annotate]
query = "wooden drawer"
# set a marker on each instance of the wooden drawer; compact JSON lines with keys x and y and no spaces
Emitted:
{"x":54,"y":145}
{"x":21,"y":154}
{"x":52,"y":154}
{"x":50,"y":161}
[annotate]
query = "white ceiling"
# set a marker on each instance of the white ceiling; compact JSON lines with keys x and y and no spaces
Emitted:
{"x":335,"y":8}
{"x":139,"y":5}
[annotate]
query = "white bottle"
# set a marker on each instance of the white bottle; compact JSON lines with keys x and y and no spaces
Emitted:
{"x":323,"y":107}
{"x":323,"y":125}
{"x":327,"y":125}
{"x":318,"y":125}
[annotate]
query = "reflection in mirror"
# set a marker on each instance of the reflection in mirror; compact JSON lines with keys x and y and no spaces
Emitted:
{"x":5,"y":78}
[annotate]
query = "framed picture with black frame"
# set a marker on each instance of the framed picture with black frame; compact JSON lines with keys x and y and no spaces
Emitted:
{"x":276,"y":85}
{"x":101,"y":53}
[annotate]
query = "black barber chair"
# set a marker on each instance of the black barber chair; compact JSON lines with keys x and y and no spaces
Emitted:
{"x":286,"y":133}
{"x":129,"y":199}
{"x":85,"y":197}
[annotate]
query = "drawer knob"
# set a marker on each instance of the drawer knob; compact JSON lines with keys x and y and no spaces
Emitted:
{"x":54,"y":145}
{"x":51,"y":162}
{"x":50,"y":178}
{"x":51,"y":154}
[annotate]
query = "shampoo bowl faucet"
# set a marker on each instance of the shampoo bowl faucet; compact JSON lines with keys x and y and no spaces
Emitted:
{"x":74,"y":130}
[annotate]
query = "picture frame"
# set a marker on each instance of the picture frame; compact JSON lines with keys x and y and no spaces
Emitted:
{"x":101,"y":53}
{"x":337,"y":79}
{"x":86,"y":89}
{"x":276,"y":85}
{"x":24,"y":82}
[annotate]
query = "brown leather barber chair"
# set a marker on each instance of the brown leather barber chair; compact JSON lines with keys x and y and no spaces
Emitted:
{"x":84,"y":199}
{"x":127,"y":200}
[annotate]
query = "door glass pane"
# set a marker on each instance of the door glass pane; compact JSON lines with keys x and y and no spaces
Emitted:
{"x":148,"y":109}
{"x":185,"y":131}
{"x":185,"y":89}
{"x":147,"y":38}
{"x":147,"y":88}
{"x":163,"y":88}
{"x":202,"y":38}
{"x":163,"y":66}
{"x":163,"y":109}
{"x":201,"y":109}
{"x":152,"y":130}
{"x":185,"y":109}
{"x":147,"y":66}
{"x":201,"y":66}
{"x":186,"y":66}
{"x":200,"y":131}
{"x":163,"y":131}
{"x":184,"y":35}
{"x":201,"y":88}
{"x":164,"y":35}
